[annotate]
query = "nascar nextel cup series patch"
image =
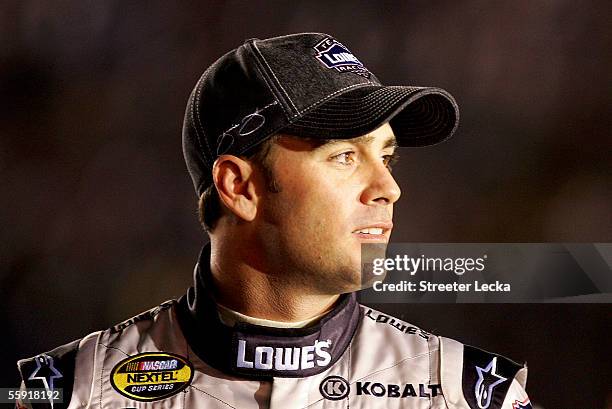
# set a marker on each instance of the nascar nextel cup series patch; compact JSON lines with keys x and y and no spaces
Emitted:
{"x":151,"y":376}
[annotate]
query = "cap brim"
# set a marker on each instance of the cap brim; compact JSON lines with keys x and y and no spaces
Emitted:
{"x":418,"y":116}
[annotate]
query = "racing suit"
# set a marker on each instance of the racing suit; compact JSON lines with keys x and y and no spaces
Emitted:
{"x":180,"y":355}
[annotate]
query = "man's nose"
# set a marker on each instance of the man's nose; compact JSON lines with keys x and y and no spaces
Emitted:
{"x":381,"y":187}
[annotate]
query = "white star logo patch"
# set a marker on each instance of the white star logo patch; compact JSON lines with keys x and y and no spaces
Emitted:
{"x":488,"y":378}
{"x":46,"y":372}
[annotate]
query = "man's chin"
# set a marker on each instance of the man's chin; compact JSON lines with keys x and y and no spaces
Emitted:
{"x":368,"y":255}
{"x":356,"y":280}
{"x":368,"y":279}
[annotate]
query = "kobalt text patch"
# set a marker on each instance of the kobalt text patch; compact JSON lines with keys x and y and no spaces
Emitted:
{"x":151,"y":376}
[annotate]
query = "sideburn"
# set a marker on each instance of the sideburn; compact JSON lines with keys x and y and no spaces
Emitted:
{"x":271,"y":183}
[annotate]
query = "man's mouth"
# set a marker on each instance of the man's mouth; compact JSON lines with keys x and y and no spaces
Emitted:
{"x":375,"y":231}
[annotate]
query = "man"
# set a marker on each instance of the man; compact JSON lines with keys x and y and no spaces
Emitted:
{"x":288,"y":142}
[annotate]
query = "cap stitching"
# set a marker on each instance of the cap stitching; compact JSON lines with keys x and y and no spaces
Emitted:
{"x":440,"y":121}
{"x":195,"y":127}
{"x":196,"y":122}
{"x":197,"y":110}
{"x":334,"y":93}
{"x":364,"y":103}
{"x":266,"y":79}
{"x":275,"y":77}
{"x":365,"y":108}
{"x":435,"y":127}
{"x":247,"y":146}
{"x":262,"y":138}
{"x":354,"y":123}
{"x":257,"y":110}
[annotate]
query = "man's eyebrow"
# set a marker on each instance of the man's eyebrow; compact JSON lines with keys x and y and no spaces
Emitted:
{"x":390,"y":141}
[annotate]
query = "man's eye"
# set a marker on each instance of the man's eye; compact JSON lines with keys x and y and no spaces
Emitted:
{"x":390,"y":160}
{"x":345,"y":158}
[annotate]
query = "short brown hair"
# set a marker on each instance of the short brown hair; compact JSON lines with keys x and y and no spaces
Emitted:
{"x":210,"y":208}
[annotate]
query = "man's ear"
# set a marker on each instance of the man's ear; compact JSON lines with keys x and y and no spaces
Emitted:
{"x":235,"y":183}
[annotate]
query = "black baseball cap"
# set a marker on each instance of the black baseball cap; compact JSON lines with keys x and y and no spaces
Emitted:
{"x":308,"y":85}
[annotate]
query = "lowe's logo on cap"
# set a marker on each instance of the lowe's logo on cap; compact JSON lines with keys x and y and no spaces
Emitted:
{"x":334,"y":55}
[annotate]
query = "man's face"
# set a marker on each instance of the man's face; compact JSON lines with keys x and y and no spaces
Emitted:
{"x":333,"y":198}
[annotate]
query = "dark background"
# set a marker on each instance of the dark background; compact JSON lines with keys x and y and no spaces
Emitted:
{"x":98,"y":214}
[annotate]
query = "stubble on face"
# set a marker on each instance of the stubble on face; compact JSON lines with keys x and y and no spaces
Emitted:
{"x":307,"y":225}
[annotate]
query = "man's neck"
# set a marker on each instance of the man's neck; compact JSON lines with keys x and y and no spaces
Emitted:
{"x":230,"y":317}
{"x":241,"y":287}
